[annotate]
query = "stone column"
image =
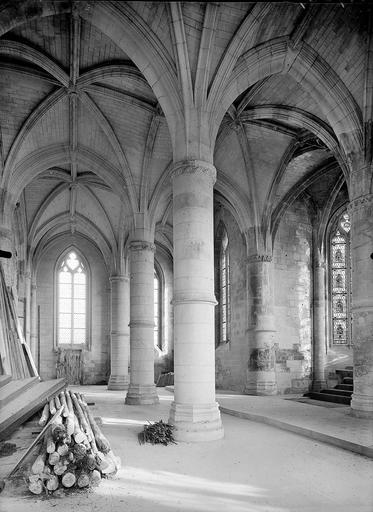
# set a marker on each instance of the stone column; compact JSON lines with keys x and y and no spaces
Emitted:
{"x":119,"y":333}
{"x":34,"y":322}
{"x":142,"y":388}
{"x":9,"y":264}
{"x":319,"y":322}
{"x":194,"y":411}
{"x":361,"y":211}
{"x":261,"y":376}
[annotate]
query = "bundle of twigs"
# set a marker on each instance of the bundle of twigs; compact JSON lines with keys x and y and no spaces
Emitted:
{"x":158,"y":432}
{"x":73,"y":450}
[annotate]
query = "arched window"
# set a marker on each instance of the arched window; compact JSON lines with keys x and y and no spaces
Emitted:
{"x":340,"y":280}
{"x":157,"y":309}
{"x":71,"y":300}
{"x":224,"y":288}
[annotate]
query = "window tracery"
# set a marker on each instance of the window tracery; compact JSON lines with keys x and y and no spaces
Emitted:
{"x":72,"y":285}
{"x":340,"y":280}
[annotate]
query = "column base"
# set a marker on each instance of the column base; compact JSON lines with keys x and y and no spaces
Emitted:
{"x":261,"y":383}
{"x":118,"y":382}
{"x":141,"y":395}
{"x":196,"y":423}
{"x":317,"y":385}
{"x":362,"y":406}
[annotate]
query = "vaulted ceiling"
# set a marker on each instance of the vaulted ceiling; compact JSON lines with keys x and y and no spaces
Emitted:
{"x":86,"y":136}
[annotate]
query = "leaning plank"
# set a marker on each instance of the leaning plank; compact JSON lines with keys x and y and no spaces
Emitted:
{"x":15,"y":388}
{"x":35,"y":442}
{"x":20,"y":409}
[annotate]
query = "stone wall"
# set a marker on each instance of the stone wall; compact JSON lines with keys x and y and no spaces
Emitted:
{"x":293,"y":294}
{"x":96,"y":358}
{"x":230,"y":368}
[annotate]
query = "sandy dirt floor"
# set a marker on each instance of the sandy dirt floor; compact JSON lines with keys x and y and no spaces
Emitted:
{"x":255,"y":468}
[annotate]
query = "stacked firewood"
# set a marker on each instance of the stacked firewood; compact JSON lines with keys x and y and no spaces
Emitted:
{"x":73,"y":450}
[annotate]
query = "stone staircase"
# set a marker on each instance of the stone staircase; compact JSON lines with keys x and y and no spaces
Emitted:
{"x":341,"y":393}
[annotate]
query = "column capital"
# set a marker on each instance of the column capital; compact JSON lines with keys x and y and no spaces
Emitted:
{"x":194,"y":167}
{"x":255,"y":258}
{"x":6,"y":232}
{"x":360,"y":202}
{"x":320,"y":265}
{"x":118,"y":278}
{"x":142,"y":245}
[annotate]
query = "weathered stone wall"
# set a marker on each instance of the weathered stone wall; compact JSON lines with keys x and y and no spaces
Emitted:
{"x":293,"y":294}
{"x":230,"y":358}
{"x":96,"y":359}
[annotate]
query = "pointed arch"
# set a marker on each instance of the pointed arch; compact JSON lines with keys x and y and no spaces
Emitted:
{"x":26,"y":52}
{"x":72,"y":302}
{"x":305,"y":65}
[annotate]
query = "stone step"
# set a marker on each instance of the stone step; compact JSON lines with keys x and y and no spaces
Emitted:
{"x":4,"y":379}
{"x":347,"y":387}
{"x":334,"y":391}
{"x":345,"y":373}
{"x":348,"y":380}
{"x":15,"y":388}
{"x":339,"y":399}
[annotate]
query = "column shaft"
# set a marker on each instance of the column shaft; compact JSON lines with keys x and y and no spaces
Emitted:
{"x":194,"y":411}
{"x":119,"y":333}
{"x":9,"y":265}
{"x":319,"y":325}
{"x":142,"y":388}
{"x":261,"y":376}
{"x":361,"y":210}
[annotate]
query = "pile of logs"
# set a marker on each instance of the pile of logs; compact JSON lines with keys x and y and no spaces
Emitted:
{"x":73,"y":450}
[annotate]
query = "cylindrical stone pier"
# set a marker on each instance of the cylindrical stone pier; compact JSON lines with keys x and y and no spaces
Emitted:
{"x":142,"y":389}
{"x":319,"y":323}
{"x":261,"y":376}
{"x":119,"y":334}
{"x":361,"y":210}
{"x":7,"y":244}
{"x":194,"y":412}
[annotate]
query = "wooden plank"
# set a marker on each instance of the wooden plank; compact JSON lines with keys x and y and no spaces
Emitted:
{"x":14,"y":388}
{"x":24,"y":406}
{"x":55,"y":416}
{"x":4,"y":379}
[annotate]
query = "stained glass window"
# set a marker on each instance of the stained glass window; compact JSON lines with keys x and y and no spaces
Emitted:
{"x":157,"y":310}
{"x":71,"y":301}
{"x":340,"y":280}
{"x":224,"y":289}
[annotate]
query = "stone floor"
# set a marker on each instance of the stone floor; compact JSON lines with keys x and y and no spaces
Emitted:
{"x":323,"y":421}
{"x":255,"y":468}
